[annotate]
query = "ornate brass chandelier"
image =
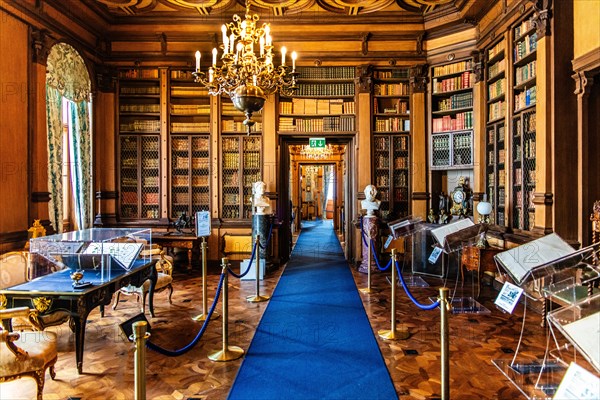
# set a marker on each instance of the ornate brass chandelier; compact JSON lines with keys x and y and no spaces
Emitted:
{"x":247,"y":77}
{"x":316,"y":153}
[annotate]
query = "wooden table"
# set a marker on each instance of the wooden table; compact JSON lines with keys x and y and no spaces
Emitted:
{"x":478,"y":259}
{"x":54,"y":292}
{"x":172,"y":240}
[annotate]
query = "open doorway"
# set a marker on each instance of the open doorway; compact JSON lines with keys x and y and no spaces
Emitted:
{"x":317,"y":185}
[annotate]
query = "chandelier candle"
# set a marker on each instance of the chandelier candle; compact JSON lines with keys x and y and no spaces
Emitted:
{"x":247,"y":78}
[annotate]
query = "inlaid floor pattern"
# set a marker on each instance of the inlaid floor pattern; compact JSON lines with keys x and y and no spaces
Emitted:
{"x":414,"y":364}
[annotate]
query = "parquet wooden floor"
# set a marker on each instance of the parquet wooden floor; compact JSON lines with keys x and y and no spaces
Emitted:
{"x":414,"y":364}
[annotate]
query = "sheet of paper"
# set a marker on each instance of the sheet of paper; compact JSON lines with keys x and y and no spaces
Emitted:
{"x":585,"y":333}
{"x":578,"y":384}
{"x":124,"y":253}
{"x":508,"y":297}
{"x":439,"y":234}
{"x":521,"y":260}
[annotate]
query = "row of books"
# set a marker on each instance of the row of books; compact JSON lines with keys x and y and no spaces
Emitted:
{"x":183,"y":144}
{"x":184,"y":198}
{"x":129,"y":144}
{"x":525,"y":72}
{"x":391,"y":124}
{"x":391,"y":89}
{"x":501,"y":180}
{"x":327,"y":124}
{"x":179,"y":127}
{"x":397,"y":106}
{"x":186,"y":109}
{"x":392,"y":74}
{"x":401,"y":162}
{"x":496,"y":110}
{"x":496,"y":89}
{"x":139,"y":108}
{"x":125,"y":90}
{"x":251,"y":160}
{"x":446,"y":123}
{"x":529,"y":119}
{"x":238,"y":126}
{"x":139,"y":73}
{"x":492,"y":158}
{"x":496,"y":68}
{"x":456,"y":101}
{"x":525,"y":26}
{"x":301,"y":106}
{"x":463,"y":81}
{"x":326,"y":73}
{"x":453,"y":68}
{"x":231,"y":160}
{"x":525,"y":98}
{"x":492,"y":135}
{"x":189,"y":91}
{"x":496,"y":49}
{"x":524,"y":48}
{"x":325,"y":89}
{"x":401,"y":179}
{"x":140,"y":126}
{"x":462,"y":141}
{"x":179,"y":74}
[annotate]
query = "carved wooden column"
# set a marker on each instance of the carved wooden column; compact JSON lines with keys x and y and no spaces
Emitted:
{"x":479,"y":132}
{"x":585,"y":174}
{"x":543,"y":196}
{"x":40,"y":194}
{"x":418,"y":87}
{"x":105,"y":179}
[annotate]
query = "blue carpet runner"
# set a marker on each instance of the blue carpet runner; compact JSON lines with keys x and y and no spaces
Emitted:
{"x":314,"y":340}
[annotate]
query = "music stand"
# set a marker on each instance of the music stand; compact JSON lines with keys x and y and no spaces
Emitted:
{"x":451,"y":239}
{"x":404,"y":228}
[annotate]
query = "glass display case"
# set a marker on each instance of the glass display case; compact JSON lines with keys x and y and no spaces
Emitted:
{"x":90,"y":256}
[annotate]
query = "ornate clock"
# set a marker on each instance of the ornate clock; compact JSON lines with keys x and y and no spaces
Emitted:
{"x":459,"y":201}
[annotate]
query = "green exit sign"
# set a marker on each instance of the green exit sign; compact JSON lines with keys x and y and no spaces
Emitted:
{"x":317,"y":143}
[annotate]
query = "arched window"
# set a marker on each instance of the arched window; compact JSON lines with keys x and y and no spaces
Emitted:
{"x":68,"y":115}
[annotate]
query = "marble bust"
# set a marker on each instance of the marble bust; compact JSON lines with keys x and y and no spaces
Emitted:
{"x":260,"y":202}
{"x":370,"y":204}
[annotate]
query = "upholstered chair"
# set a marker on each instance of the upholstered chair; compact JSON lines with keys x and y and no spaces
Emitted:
{"x":164,"y":281}
{"x":26,"y":353}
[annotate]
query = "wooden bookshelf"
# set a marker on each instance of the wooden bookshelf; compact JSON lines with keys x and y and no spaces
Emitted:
{"x":495,"y":139}
{"x":523,"y":127}
{"x":452,"y":115}
{"x":139,"y":143}
{"x":391,"y":141}
{"x":323,"y":104}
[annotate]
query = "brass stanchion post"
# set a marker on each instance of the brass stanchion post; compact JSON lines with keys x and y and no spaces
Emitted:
{"x":202,"y":316}
{"x":444,"y":343}
{"x":257,"y":298}
{"x":393,"y":333}
{"x":227,"y":353}
{"x":139,"y":367}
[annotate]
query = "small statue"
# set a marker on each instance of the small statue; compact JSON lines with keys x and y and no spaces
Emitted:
{"x":182,"y":222}
{"x":260,"y":202}
{"x":443,"y":204}
{"x":431,"y":217}
{"x":370,"y":204}
{"x":443,"y":217}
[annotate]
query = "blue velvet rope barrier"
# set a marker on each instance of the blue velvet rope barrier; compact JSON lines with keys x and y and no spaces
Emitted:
{"x":362,"y":231}
{"x":268,"y":238}
{"x":377,"y":260}
{"x":409,"y":294}
{"x":239,"y":276}
{"x":185,"y":349}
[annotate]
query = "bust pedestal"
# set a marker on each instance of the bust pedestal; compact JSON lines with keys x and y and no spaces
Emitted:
{"x":261,"y":224}
{"x":371,"y":231}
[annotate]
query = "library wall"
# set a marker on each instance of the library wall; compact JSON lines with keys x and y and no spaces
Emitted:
{"x":14,"y":91}
{"x":586,"y":17}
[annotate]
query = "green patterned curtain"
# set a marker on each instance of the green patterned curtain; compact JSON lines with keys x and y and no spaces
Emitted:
{"x":67,"y":75}
{"x":79,"y":137}
{"x":55,"y":155}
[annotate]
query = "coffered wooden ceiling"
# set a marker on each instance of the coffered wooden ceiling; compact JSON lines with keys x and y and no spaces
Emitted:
{"x":274,"y":7}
